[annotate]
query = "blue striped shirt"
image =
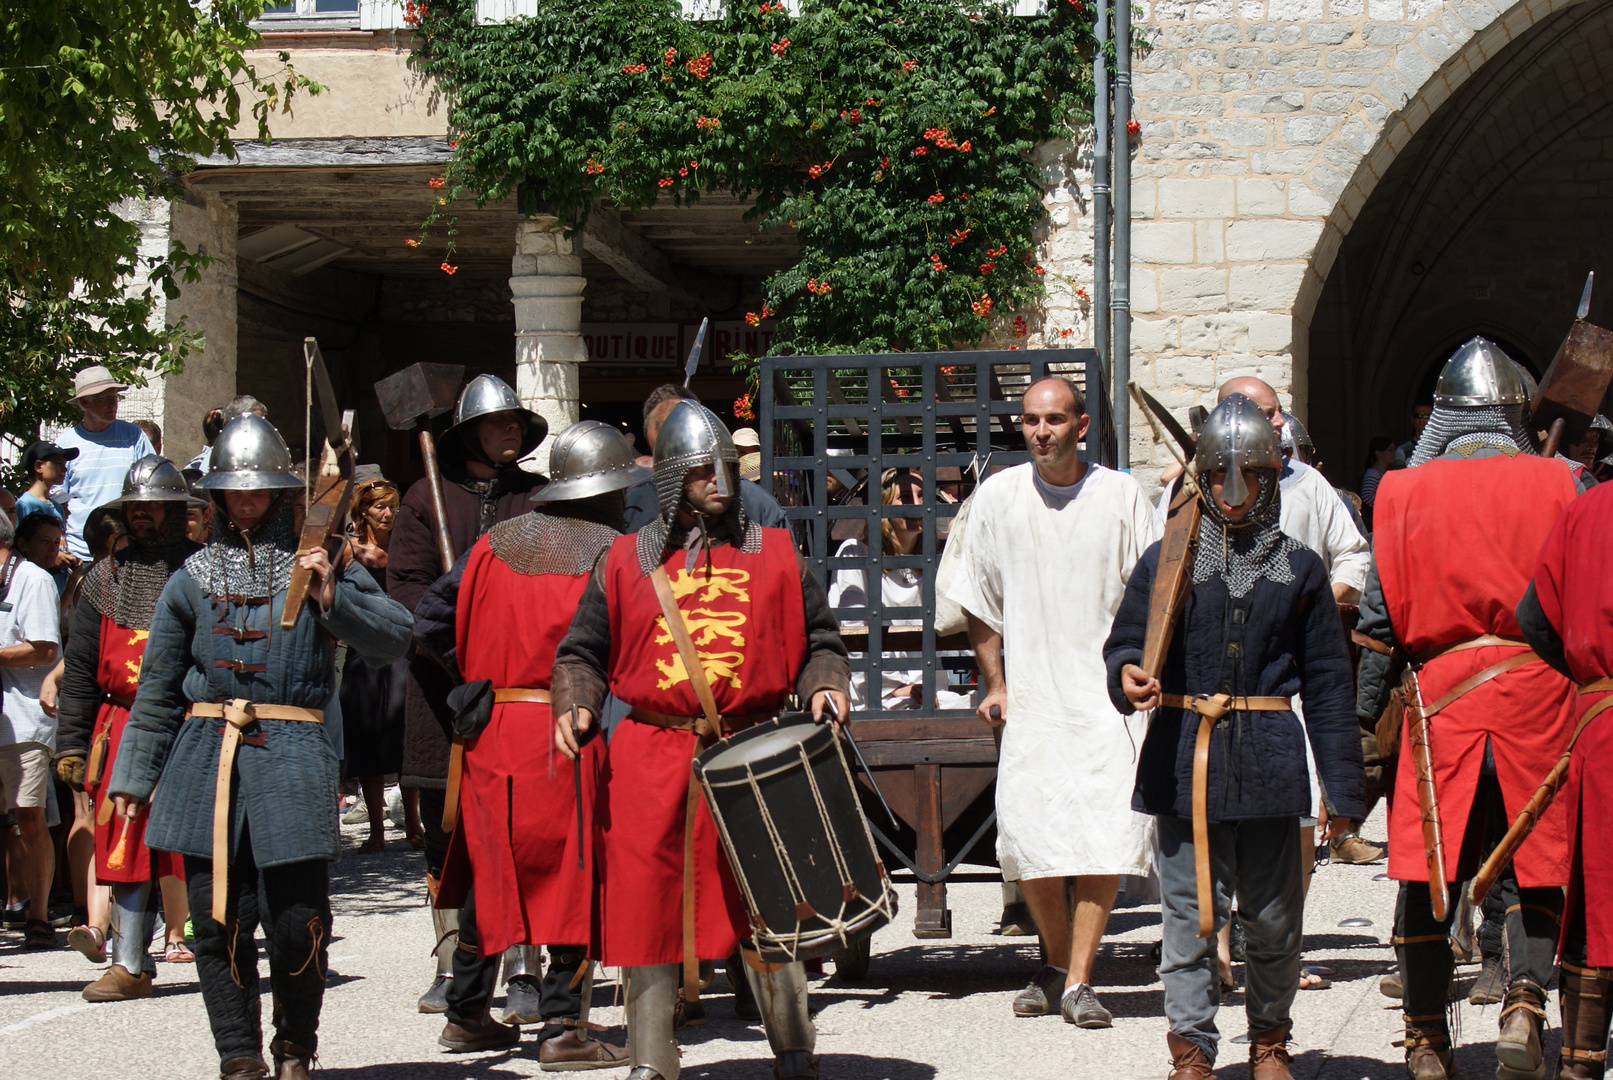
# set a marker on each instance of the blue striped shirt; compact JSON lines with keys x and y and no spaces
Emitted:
{"x":95,"y":477}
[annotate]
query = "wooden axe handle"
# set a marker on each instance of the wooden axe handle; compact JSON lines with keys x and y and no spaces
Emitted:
{"x":1554,"y":437}
{"x":439,"y":509}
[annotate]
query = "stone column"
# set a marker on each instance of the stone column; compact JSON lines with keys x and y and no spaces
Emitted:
{"x":546,"y":287}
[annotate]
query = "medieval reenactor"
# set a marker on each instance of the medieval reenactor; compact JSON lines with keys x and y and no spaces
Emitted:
{"x":226,"y":742}
{"x":521,"y":862}
{"x":1455,"y":542}
{"x":483,"y":484}
{"x":1222,"y":768}
{"x":101,"y":671}
{"x":761,"y":628}
{"x":1564,"y":616}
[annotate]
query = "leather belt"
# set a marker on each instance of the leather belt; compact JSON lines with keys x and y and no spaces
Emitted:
{"x":1480,"y":642}
{"x":696,"y":724}
{"x":1595,"y":686}
{"x":236,"y":714}
{"x":1484,"y":675}
{"x":1211,"y":708}
{"x":122,"y":701}
{"x":103,"y":742}
{"x":504,"y":695}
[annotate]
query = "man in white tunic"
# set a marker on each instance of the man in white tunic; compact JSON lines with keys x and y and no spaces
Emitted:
{"x":1051,"y":546}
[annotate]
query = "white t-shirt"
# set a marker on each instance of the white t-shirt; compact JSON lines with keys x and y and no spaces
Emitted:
{"x":33,"y":615}
{"x":95,"y":477}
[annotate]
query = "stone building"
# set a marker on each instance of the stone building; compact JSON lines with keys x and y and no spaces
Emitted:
{"x":1332,"y":194}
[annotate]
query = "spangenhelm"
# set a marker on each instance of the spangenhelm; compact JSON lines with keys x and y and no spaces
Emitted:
{"x":249,"y":455}
{"x":483,"y":396}
{"x":1295,"y":437}
{"x":155,"y":479}
{"x":587,"y":459}
{"x":1479,"y":373}
{"x":691,"y":436}
{"x":1236,"y":436}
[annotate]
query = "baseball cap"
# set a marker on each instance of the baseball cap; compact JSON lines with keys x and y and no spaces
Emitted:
{"x":39,"y":451}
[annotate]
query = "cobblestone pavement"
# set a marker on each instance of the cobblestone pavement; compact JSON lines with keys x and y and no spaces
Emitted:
{"x":926,"y":1009}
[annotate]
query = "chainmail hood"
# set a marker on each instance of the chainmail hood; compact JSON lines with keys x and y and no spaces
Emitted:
{"x":125,"y":586}
{"x":1242,"y":553}
{"x":1462,"y":430}
{"x":655,"y":538}
{"x":538,"y":543}
{"x":256,"y":563}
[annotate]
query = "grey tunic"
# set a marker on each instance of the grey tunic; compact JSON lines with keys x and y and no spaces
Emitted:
{"x":286,"y":788}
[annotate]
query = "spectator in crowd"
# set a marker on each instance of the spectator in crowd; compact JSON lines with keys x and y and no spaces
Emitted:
{"x":212,"y":424}
{"x":242,"y":404}
{"x":106,"y":448}
{"x":153,"y":432}
{"x":30,"y":639}
{"x":45,"y":463}
{"x":198,"y":519}
{"x":749,"y":445}
{"x":1419,"y":420}
{"x":1380,"y":459}
{"x":39,"y":540}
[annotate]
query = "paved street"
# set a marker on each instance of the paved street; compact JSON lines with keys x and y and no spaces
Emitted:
{"x":927,"y":1009}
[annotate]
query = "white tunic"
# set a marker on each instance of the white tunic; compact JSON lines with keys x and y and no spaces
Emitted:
{"x":1048,"y":574}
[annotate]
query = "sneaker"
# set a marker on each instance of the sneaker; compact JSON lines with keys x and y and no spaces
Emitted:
{"x":435,"y":1000}
{"x":521,"y":1000}
{"x":1041,"y":997}
{"x":1356,"y":851}
{"x":16,"y":915}
{"x":358,"y":814}
{"x":61,"y":915}
{"x":1082,"y":1009}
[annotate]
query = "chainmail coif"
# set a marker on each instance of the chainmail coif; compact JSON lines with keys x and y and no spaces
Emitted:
{"x":538,"y":543}
{"x":1454,"y":429}
{"x":125,"y":586}
{"x":256,"y":563}
{"x":1242,"y":553}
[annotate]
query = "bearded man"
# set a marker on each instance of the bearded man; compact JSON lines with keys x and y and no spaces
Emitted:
{"x":101,"y":671}
{"x":1455,"y":540}
{"x":773,"y":633}
{"x":1063,"y":790}
{"x":226,"y":729}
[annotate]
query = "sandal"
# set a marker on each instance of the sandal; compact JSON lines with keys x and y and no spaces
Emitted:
{"x":38,"y":935}
{"x":90,"y":941}
{"x":178,"y":953}
{"x":1319,"y":984}
{"x":417,"y":841}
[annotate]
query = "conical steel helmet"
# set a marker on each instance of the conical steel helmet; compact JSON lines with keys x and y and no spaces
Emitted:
{"x":1237,"y":436}
{"x":691,"y":436}
{"x":587,"y":459}
{"x":1479,"y":373}
{"x":155,"y":479}
{"x":488,"y":394}
{"x":249,"y":455}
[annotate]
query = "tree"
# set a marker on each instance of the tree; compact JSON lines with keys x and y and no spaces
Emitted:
{"x":104,"y":103}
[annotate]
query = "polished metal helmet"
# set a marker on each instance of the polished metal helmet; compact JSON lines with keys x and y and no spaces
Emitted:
{"x":488,"y":394}
{"x":1479,"y":373}
{"x":249,"y":455}
{"x":1296,"y":438}
{"x":691,"y":436}
{"x":587,"y":459}
{"x":1237,"y":435}
{"x":155,"y":479}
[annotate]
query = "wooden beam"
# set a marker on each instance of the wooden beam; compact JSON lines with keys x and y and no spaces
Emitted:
{"x":644,"y":267}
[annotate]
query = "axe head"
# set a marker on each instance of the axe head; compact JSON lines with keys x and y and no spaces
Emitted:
{"x":418,"y":393}
{"x":1576,"y":383}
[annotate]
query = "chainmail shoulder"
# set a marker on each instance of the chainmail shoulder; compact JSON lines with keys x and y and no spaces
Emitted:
{"x":1243,"y":554}
{"x":125,"y":587}
{"x":257,"y":564}
{"x":653,"y":539}
{"x":537,"y":543}
{"x":1466,"y":430}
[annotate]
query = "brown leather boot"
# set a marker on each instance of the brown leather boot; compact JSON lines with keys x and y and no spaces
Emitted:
{"x":571,"y":1052}
{"x":243,"y":1068}
{"x":1268,"y":1055}
{"x":1586,"y":995}
{"x":118,"y":985}
{"x":484,"y":1034}
{"x":291,"y":1062}
{"x":1428,"y":1049}
{"x":1188,"y":1059}
{"x":1518,"y":1053}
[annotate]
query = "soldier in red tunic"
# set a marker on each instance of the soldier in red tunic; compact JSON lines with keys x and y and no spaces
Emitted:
{"x":100,"y":674}
{"x":1567,"y":616}
{"x":516,"y":864}
{"x":762,"y":628}
{"x":1456,"y":539}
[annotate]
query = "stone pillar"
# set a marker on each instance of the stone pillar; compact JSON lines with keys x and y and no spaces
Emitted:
{"x":546,"y":286}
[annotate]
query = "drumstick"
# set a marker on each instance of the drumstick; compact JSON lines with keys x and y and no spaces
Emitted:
{"x":120,"y":850}
{"x":576,"y":772}
{"x":845,"y":729}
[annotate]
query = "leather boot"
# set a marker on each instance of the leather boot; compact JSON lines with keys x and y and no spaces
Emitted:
{"x":243,"y":1068}
{"x":118,"y":985}
{"x":1188,"y":1059}
{"x":1268,"y":1055}
{"x":1518,"y":1052}
{"x":483,"y":1034}
{"x":291,"y":1062}
{"x":1428,"y":1049}
{"x":1586,"y":995}
{"x":576,"y":1050}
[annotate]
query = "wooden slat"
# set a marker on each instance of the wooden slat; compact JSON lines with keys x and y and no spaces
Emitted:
{"x":930,"y":752}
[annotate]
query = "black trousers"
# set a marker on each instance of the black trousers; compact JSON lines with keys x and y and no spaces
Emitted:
{"x":296,"y":928}
{"x":476,"y":978}
{"x":1532,"y":918}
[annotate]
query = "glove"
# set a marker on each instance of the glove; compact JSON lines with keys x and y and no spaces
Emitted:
{"x":472,"y":703}
{"x":70,"y":770}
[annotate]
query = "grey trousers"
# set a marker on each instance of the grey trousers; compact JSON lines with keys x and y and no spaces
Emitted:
{"x":1259,"y":860}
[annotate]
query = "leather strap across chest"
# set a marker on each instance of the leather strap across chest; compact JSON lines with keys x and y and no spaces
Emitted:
{"x":236,"y":714}
{"x":1211,"y":708}
{"x":1482,"y":676}
{"x":502,"y":695}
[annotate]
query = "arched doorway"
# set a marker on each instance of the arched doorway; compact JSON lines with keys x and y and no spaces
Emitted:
{"x":1485,"y":223}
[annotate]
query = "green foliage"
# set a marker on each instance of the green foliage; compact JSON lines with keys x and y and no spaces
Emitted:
{"x":102,"y":103}
{"x":894,"y":136}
